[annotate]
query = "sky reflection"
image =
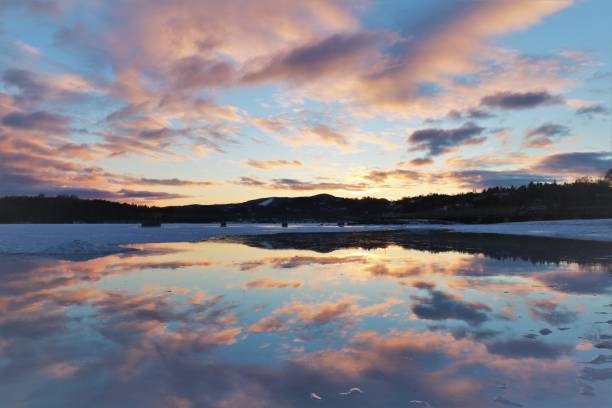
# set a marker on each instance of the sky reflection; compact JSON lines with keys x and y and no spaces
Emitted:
{"x":224,"y":324}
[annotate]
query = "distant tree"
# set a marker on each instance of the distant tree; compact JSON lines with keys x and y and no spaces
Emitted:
{"x":608,"y":177}
{"x":583,"y":180}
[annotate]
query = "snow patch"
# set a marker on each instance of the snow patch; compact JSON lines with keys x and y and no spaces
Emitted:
{"x":267,"y":202}
{"x":594,"y":230}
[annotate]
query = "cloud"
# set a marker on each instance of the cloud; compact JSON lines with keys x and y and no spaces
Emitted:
{"x":315,"y":127}
{"x":327,"y":134}
{"x":583,"y":163}
{"x":442,"y":306}
{"x":322,"y":313}
{"x":528,"y":348}
{"x":421,"y":161}
{"x":300,"y":185}
{"x":37,"y":87}
{"x":424,"y":285}
{"x":144,"y":136}
{"x":32,"y":168}
{"x":269,"y":324}
{"x":476,"y":334}
{"x":545,"y":170}
{"x":39,"y":121}
{"x":168,"y":342}
{"x":551,"y":312}
{"x":397,"y":174}
{"x":383,"y":270}
{"x":31,"y":89}
{"x":293,"y":184}
{"x":251,"y":182}
{"x":298,"y":315}
{"x":16,"y":185}
{"x":327,"y":58}
{"x":545,"y":135}
{"x":139,"y":194}
{"x":591,"y":110}
{"x":595,"y":374}
{"x":198,"y":73}
{"x":43,"y":7}
{"x":299,"y":261}
{"x":272,"y":164}
{"x":439,"y":141}
{"x":306,"y":314}
{"x":268,"y":283}
{"x":328,"y":55}
{"x":449,"y":46}
{"x":28,"y":49}
{"x":272,"y":125}
{"x":478,"y":179}
{"x":233,"y":31}
{"x":152,"y":79}
{"x":472,"y":113}
{"x":169,"y":60}
{"x":520,"y":100}
{"x":29,"y":166}
{"x":174,"y":182}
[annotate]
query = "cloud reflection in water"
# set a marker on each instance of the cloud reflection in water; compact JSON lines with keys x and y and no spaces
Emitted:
{"x":220,"y":324}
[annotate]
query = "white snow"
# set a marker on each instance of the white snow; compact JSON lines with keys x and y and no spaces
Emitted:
{"x":594,"y":230}
{"x":267,"y":202}
{"x":107,"y":238}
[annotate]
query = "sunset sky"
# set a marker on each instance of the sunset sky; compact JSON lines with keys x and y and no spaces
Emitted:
{"x":187,"y":101}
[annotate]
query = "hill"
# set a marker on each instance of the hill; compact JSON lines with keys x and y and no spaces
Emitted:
{"x":535,"y":201}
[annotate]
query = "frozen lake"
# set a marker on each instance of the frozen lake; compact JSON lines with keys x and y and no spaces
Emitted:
{"x":105,"y":238}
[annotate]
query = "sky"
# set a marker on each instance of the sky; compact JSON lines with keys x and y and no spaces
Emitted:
{"x":192,"y":101}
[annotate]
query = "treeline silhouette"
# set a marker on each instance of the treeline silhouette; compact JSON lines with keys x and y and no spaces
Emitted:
{"x":583,"y":198}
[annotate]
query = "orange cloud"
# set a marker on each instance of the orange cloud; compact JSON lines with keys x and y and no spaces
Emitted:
{"x":269,"y":283}
{"x":272,"y":164}
{"x":344,"y":310}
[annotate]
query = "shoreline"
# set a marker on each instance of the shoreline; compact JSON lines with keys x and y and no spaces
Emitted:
{"x":106,"y":239}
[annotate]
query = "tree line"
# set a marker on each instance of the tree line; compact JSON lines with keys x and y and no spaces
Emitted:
{"x":582,"y":198}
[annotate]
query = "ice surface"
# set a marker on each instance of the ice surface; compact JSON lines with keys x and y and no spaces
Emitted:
{"x":594,"y":230}
{"x":79,"y":247}
{"x":63,"y":239}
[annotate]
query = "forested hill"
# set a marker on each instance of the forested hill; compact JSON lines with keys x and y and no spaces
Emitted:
{"x":580,"y":199}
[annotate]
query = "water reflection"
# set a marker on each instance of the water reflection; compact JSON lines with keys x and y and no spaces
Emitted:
{"x":374,"y":320}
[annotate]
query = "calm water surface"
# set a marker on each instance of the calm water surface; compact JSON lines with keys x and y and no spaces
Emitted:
{"x":371,"y":320}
